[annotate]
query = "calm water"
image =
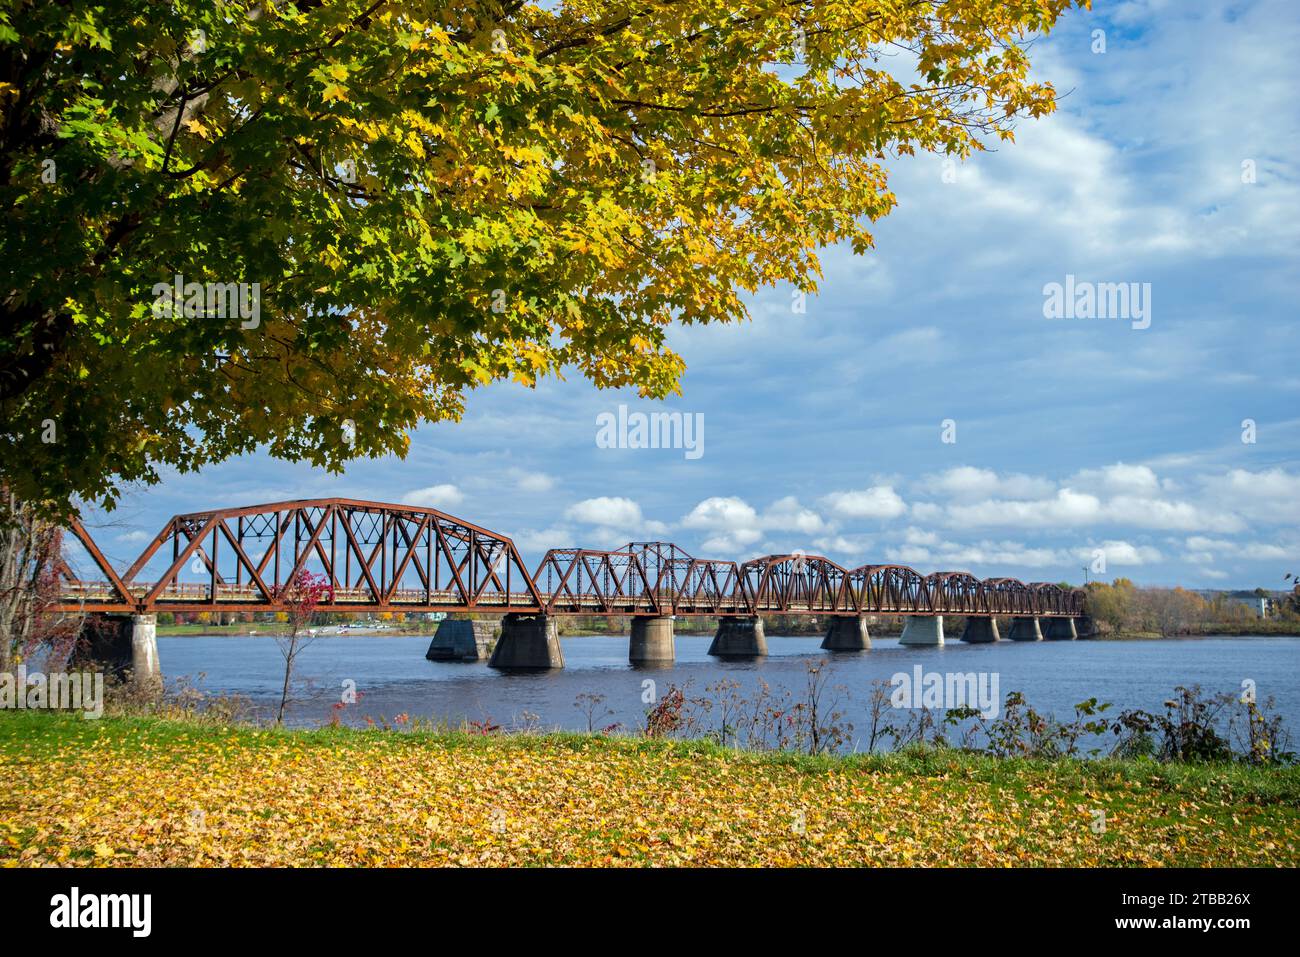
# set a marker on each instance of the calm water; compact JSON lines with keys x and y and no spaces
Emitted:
{"x":393,"y":676}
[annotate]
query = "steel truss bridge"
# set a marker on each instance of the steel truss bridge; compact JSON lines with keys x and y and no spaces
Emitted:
{"x":378,"y":557}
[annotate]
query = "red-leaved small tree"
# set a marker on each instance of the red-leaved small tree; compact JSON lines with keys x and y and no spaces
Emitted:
{"x":300,"y":597}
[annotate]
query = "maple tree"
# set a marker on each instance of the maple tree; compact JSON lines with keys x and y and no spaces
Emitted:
{"x":397,"y":202}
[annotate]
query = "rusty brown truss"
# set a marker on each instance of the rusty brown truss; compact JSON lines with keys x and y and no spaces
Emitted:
{"x":380,"y":557}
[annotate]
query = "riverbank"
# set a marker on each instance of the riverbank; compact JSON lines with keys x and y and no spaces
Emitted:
{"x":1249,"y":629}
{"x":150,"y":791}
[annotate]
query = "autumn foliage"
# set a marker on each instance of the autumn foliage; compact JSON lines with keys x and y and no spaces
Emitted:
{"x":431,"y":197}
{"x":151,"y":793}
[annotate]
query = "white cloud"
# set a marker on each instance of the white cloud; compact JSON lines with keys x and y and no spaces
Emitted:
{"x":1203,"y":551}
{"x":1117,"y":479}
{"x":966,"y":482}
{"x":1118,"y":496}
{"x":606,"y":510}
{"x":1066,"y":508}
{"x":1001,"y":557}
{"x":909,"y":555}
{"x":927,"y":511}
{"x":787,"y":515}
{"x":1171,"y":515}
{"x":1073,"y":509}
{"x":537,"y":542}
{"x":533,"y":481}
{"x":732,"y":522}
{"x":734,"y":526}
{"x":616,"y":520}
{"x":852,"y":549}
{"x":1271,"y":494}
{"x":730,"y":546}
{"x":1004,"y":554}
{"x":720,"y":512}
{"x":435,"y":496}
{"x":878,"y":501}
{"x":917,"y":536}
{"x":1121,"y":553}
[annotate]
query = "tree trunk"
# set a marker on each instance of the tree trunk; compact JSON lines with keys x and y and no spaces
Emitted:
{"x":28,"y":547}
{"x":288,"y":674}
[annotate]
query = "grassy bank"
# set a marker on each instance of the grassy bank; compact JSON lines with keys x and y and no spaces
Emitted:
{"x":150,"y":791}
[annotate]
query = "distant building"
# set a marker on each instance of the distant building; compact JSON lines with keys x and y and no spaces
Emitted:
{"x":1262,"y":606}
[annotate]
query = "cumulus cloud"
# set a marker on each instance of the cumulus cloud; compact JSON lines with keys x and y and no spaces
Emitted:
{"x":927,"y":511}
{"x":1071,"y":508}
{"x":435,"y":496}
{"x":965,"y":482}
{"x":787,"y":515}
{"x":878,"y":501}
{"x":605,"y":510}
{"x":1118,"y":479}
{"x":615,"y":517}
{"x":732,"y":525}
{"x":1171,"y":515}
{"x":1271,"y":494}
{"x":918,"y":536}
{"x":1203,"y":550}
{"x":533,"y":481}
{"x":720,"y":512}
{"x":928,"y":554}
{"x":851,"y":549}
{"x":1121,"y":553}
{"x":536,"y":542}
{"x":1066,"y":508}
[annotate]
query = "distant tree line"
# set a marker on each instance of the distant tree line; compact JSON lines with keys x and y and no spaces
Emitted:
{"x":1121,"y":607}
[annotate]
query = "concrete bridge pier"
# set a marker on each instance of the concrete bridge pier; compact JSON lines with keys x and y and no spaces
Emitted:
{"x":146,"y":670}
{"x":847,"y":633}
{"x":527,"y":643}
{"x":739,"y":638}
{"x":462,"y":640}
{"x":145,"y":667}
{"x":652,"y":641}
{"x":980,"y":630}
{"x":1085,"y":627}
{"x":1025,"y":629}
{"x":923,"y":630}
{"x":123,"y":645}
{"x":1060,"y":629}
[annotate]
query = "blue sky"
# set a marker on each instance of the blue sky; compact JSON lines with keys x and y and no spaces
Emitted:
{"x":824,"y":430}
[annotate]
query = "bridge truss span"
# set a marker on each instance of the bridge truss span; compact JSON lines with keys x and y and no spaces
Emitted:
{"x":377,"y":557}
{"x":373,"y":557}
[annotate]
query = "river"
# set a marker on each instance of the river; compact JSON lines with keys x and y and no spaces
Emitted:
{"x":392,"y":677}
